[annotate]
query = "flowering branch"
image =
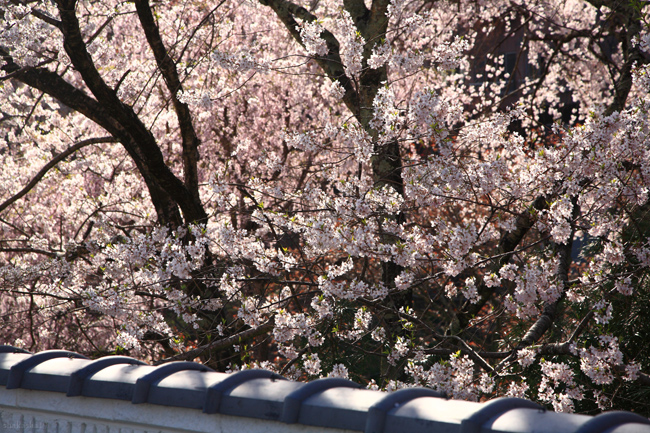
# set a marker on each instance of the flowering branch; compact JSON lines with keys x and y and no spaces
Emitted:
{"x":53,"y":162}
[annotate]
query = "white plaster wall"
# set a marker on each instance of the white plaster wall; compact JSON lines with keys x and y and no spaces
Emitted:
{"x":26,"y":411}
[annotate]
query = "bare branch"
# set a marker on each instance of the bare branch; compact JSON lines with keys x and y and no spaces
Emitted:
{"x":481,"y":353}
{"x":30,"y":250}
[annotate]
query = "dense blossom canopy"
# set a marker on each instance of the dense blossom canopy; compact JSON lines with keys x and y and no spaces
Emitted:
{"x":451,"y":194}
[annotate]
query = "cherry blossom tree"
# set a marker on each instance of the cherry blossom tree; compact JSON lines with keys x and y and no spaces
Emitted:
{"x":449,"y":194}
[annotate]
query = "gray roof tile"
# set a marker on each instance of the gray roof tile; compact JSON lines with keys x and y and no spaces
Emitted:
{"x":330,"y":403}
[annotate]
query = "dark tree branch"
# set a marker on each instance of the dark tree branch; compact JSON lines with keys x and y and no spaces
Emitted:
{"x":377,"y":21}
{"x":40,"y":15}
{"x":30,"y":250}
{"x":548,"y":316}
{"x":581,"y":326}
{"x":387,"y":162}
{"x":134,"y":135}
{"x":170,"y":74}
{"x":630,"y":18}
{"x":331,"y":63}
{"x":481,"y":353}
{"x":464,"y":347}
{"x":507,"y":247}
{"x":58,"y":158}
{"x":358,"y":12}
{"x":224,"y":343}
{"x":623,"y":84}
{"x":58,"y":88}
{"x":142,"y":147}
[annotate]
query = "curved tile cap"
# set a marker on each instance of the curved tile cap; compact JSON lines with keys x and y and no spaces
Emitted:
{"x":12,"y":349}
{"x":215,"y":392}
{"x":293,"y":401}
{"x":143,"y":384}
{"x":78,"y":377}
{"x":253,"y":397}
{"x":18,"y":371}
{"x":494,"y":408}
{"x":377,"y":413}
{"x":603,"y":422}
